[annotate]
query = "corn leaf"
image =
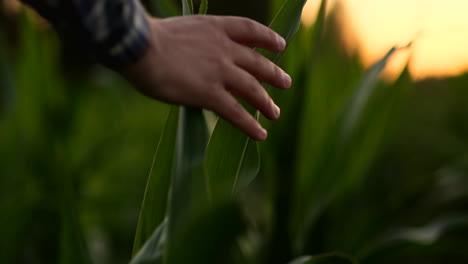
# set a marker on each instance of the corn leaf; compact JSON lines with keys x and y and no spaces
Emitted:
{"x":154,"y":204}
{"x":425,"y":235}
{"x":209,"y":237}
{"x":203,"y":7}
{"x":250,"y":167}
{"x":369,"y":137}
{"x":152,"y":251}
{"x":187,"y":7}
{"x":226,"y":162}
{"x":39,"y":84}
{"x":340,"y":149}
{"x":362,"y":94}
{"x":188,"y":186}
{"x":72,"y":241}
{"x":286,"y":23}
{"x":279,"y":153}
{"x":184,"y":139}
{"x":165,"y":8}
{"x":327,"y":258}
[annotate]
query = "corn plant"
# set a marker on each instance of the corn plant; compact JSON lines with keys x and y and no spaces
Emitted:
{"x":196,"y":176}
{"x":342,"y":178}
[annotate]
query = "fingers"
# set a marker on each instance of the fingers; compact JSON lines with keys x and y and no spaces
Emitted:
{"x":253,"y":34}
{"x":243,"y":85}
{"x":231,"y":110}
{"x":260,"y":67}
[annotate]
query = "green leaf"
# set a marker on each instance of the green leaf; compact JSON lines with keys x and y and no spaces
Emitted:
{"x":187,"y":7}
{"x":286,"y":23}
{"x":154,"y":204}
{"x":374,"y":129}
{"x":362,"y":94}
{"x":152,"y":251}
{"x":73,"y":247}
{"x":327,"y":258}
{"x":188,"y":193}
{"x":165,"y":8}
{"x":249,"y":167}
{"x":209,"y":237}
{"x":203,"y":7}
{"x":424,"y":235}
{"x":339,"y":153}
{"x":229,"y":149}
{"x":188,"y":180}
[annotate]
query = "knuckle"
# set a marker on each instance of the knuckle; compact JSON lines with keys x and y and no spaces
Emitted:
{"x":225,"y":44}
{"x":276,"y":71}
{"x":257,"y":59}
{"x":216,"y":90}
{"x":238,"y":112}
{"x":249,"y":25}
{"x":272,"y":36}
{"x":256,"y":91}
{"x":237,"y":108}
{"x":259,"y":97}
{"x":249,"y":84}
{"x":212,"y":22}
{"x":214,"y":95}
{"x":219,"y":64}
{"x":266,"y":101}
{"x":252,"y":81}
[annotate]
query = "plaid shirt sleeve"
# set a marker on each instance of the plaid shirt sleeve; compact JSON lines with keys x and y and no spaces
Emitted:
{"x":116,"y":30}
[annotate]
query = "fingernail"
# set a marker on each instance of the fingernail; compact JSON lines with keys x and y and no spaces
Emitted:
{"x":281,"y":42}
{"x":277,"y":111}
{"x":287,"y":81}
{"x":262,"y":134}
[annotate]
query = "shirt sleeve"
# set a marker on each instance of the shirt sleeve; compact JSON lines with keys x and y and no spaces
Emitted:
{"x":117,"y":31}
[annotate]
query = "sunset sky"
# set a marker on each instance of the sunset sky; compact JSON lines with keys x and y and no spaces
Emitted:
{"x":438,"y":29}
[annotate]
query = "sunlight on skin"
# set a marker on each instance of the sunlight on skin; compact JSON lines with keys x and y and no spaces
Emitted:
{"x":438,"y":29}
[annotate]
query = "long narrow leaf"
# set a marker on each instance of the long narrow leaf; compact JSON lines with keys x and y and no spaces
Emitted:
{"x":424,"y":235}
{"x":203,"y":7}
{"x":165,"y":8}
{"x":157,"y":188}
{"x":187,"y":7}
{"x":209,"y":237}
{"x":326,"y":258}
{"x":363,"y":93}
{"x":184,"y":139}
{"x":188,"y":186}
{"x":279,"y":155}
{"x":188,"y":180}
{"x":226,"y":152}
{"x":317,"y":187}
{"x":152,"y":251}
{"x":73,"y":248}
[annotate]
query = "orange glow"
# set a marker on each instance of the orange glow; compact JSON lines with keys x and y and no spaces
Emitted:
{"x":438,"y":29}
{"x":11,"y":6}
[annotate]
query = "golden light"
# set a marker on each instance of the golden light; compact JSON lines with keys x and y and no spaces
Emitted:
{"x":438,"y":30}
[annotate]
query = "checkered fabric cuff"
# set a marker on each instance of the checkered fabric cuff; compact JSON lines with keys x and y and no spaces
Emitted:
{"x":116,"y":30}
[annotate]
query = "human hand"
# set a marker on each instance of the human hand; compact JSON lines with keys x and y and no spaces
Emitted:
{"x":203,"y":61}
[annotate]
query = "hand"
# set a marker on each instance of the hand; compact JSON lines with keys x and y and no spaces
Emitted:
{"x":203,"y":61}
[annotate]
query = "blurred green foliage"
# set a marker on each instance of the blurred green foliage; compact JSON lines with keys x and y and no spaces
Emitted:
{"x":75,"y":154}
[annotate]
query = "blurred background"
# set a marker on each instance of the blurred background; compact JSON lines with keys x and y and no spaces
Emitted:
{"x":76,"y":141}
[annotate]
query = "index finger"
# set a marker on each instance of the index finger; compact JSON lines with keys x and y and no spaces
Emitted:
{"x":253,"y":34}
